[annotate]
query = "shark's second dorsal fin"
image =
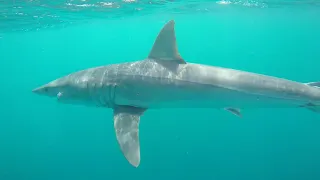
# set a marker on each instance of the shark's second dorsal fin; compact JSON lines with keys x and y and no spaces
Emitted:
{"x":165,"y":46}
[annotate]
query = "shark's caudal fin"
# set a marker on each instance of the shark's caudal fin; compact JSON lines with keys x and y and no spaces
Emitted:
{"x":165,"y":46}
{"x":314,"y":84}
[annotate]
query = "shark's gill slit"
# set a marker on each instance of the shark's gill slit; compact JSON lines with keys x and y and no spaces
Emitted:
{"x":101,"y":99}
{"x":113,"y":95}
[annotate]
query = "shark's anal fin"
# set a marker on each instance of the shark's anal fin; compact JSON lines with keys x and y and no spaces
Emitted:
{"x":126,"y":125}
{"x":234,"y":111}
{"x":312,"y":107}
{"x":165,"y":46}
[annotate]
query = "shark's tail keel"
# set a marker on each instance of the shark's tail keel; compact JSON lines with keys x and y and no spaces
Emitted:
{"x":313,"y":106}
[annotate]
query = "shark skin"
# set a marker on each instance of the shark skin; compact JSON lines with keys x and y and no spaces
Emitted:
{"x":165,"y":80}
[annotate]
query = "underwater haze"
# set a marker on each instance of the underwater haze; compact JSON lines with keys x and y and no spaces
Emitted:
{"x":41,"y":40}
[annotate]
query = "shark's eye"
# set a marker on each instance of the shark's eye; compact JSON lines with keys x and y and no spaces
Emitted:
{"x":59,"y":95}
{"x":45,"y":89}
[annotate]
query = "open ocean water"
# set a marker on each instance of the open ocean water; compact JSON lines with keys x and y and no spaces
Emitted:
{"x":41,"y":40}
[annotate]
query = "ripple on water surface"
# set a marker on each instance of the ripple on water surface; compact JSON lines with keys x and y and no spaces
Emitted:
{"x":26,"y":15}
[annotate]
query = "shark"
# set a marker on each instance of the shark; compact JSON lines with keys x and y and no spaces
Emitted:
{"x":166,"y":80}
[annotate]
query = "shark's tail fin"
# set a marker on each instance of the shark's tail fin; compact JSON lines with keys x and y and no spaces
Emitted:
{"x":314,"y":84}
{"x":312,"y":106}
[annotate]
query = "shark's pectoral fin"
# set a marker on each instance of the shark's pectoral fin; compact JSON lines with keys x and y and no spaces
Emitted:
{"x":126,"y":124}
{"x":165,"y":46}
{"x":234,"y":111}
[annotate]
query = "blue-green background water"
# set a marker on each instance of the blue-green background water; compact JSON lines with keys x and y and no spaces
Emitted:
{"x":43,"y":40}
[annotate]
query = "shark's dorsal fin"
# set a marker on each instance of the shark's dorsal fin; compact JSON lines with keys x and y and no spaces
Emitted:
{"x":165,"y":46}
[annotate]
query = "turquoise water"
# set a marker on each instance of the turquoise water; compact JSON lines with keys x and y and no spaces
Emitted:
{"x":43,"y":40}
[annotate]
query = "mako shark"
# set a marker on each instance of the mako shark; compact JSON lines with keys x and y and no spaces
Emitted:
{"x":165,"y":80}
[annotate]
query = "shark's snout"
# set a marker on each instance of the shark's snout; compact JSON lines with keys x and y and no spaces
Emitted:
{"x":50,"y":89}
{"x":40,"y":90}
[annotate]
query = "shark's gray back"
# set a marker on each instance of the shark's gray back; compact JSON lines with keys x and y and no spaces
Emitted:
{"x":150,"y":81}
